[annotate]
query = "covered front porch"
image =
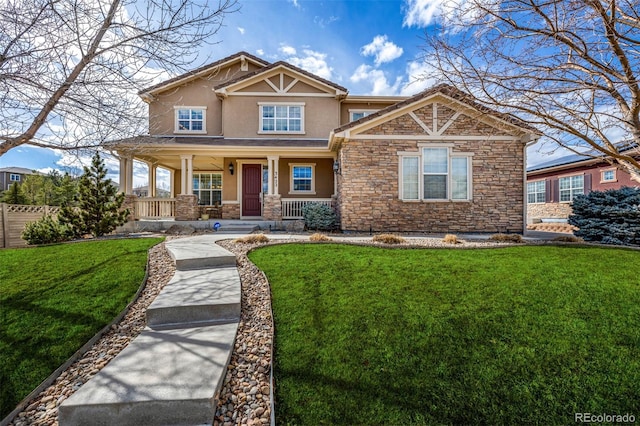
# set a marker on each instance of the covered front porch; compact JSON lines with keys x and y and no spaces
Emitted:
{"x":226,"y":185}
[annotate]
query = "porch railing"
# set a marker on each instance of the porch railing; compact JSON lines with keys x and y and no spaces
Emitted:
{"x":155,"y":208}
{"x":292,"y":207}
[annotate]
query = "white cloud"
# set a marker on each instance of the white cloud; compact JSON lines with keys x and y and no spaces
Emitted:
{"x":287,"y":50}
{"x":260,"y":52}
{"x":420,"y":76}
{"x":421,"y":13}
{"x":312,"y":61}
{"x":294,"y":3}
{"x":241,"y":30}
{"x":322,"y":22}
{"x":454,"y":14}
{"x":382,"y":49}
{"x":377,"y":79}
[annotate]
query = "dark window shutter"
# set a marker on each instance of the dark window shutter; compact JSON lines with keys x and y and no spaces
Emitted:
{"x":587,"y":183}
{"x":555,"y":191}
{"x":547,"y":191}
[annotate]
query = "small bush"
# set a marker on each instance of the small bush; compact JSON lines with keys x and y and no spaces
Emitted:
{"x":45,"y":231}
{"x":451,"y":239}
{"x":506,"y":238}
{"x":568,"y":239}
{"x":253,"y":239}
{"x":608,"y":217}
{"x":319,"y":216}
{"x":388,"y":239}
{"x":319,"y":237}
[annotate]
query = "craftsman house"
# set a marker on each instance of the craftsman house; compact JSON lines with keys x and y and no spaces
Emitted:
{"x":244,"y":138}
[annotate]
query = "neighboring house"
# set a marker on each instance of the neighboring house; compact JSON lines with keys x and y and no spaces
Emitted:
{"x":263,"y":139}
{"x":143,"y":191}
{"x":552,"y":185}
{"x":9,"y":175}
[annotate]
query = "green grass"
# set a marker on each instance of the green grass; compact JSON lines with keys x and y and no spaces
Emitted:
{"x":53,"y":299}
{"x":521,"y":335}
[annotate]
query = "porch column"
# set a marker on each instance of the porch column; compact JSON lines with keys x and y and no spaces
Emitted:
{"x":172,"y":183}
{"x":129,"y":176}
{"x":273,"y":175}
{"x":122,"y":185}
{"x":186,"y":187}
{"x":152,"y":179}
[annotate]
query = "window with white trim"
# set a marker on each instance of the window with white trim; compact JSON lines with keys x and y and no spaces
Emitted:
{"x":191,"y":119}
{"x":536,"y":192}
{"x":281,"y":118}
{"x":608,"y":175}
{"x":356,"y":114}
{"x":14,"y":177}
{"x":208,"y":188}
{"x":302,"y":179}
{"x":437,"y":174}
{"x":570,"y":186}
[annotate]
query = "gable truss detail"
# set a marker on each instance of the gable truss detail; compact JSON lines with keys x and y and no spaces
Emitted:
{"x":281,"y":89}
{"x":434,"y":130}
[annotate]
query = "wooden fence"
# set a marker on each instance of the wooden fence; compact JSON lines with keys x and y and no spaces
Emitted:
{"x":13,"y":218}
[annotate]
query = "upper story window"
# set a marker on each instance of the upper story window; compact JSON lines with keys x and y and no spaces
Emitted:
{"x":608,"y":176}
{"x":14,"y":177}
{"x":436,"y":175}
{"x":570,"y":186}
{"x":356,"y":114}
{"x":536,"y":192}
{"x":191,"y":119}
{"x":302,"y":178}
{"x":281,"y":118}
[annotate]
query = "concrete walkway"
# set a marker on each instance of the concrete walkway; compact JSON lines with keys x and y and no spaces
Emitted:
{"x":172,"y":372}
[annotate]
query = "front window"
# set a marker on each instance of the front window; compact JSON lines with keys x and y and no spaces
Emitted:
{"x":608,"y":176}
{"x":571,"y":186}
{"x":276,"y":118}
{"x":14,"y":178}
{"x":302,"y":178}
{"x":190,"y":120}
{"x":437,"y":174}
{"x":536,"y":192}
{"x":208,"y":188}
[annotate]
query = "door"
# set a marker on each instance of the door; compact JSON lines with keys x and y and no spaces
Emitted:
{"x":251,"y":189}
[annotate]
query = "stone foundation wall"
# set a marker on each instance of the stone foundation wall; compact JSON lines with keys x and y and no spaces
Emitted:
{"x":272,"y":207}
{"x":187,"y":207}
{"x":231,"y":211}
{"x":535,"y":212}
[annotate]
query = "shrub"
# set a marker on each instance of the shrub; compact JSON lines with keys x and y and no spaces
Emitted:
{"x":319,"y":237}
{"x":568,"y":239}
{"x":388,"y":239}
{"x":45,"y":231}
{"x":506,"y":238}
{"x":319,"y":216}
{"x":451,"y":239}
{"x":253,"y":239}
{"x":608,"y":217}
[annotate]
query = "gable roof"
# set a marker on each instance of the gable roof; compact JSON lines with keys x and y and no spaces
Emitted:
{"x":577,"y":159}
{"x":280,"y":64}
{"x":450,"y":92}
{"x":19,"y":170}
{"x":189,"y":75}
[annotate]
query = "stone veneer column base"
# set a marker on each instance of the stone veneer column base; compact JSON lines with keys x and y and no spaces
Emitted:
{"x":231,"y":211}
{"x":187,"y":207}
{"x":130,"y":203}
{"x":272,"y":207}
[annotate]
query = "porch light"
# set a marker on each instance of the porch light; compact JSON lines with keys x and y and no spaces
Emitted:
{"x":336,"y":167}
{"x":231,"y":168}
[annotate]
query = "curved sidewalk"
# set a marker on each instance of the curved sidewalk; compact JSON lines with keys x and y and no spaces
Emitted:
{"x":172,"y":372}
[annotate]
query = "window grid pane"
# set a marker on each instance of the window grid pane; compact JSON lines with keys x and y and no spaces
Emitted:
{"x":459,"y":179}
{"x":410,"y":167}
{"x":191,"y":119}
{"x":208,"y":188}
{"x":281,"y":118}
{"x":570,"y":187}
{"x":302,"y":178}
{"x":536,"y":192}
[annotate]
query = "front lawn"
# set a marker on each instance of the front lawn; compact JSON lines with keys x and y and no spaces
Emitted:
{"x":53,"y":299}
{"x":518,"y":335}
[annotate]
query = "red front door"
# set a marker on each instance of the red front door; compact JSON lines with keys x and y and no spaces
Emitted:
{"x":251,"y":188}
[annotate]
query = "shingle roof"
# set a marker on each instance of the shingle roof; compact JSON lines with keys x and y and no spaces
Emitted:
{"x":203,"y":68}
{"x":20,"y":170}
{"x":226,"y":142}
{"x":569,"y":159}
{"x":448,"y":91}
{"x":275,"y":65}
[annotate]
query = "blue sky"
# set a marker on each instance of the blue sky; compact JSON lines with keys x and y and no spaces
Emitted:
{"x":368,"y":46}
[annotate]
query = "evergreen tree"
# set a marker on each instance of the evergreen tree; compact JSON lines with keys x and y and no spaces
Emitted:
{"x":99,"y":204}
{"x":14,"y":195}
{"x":66,"y":189}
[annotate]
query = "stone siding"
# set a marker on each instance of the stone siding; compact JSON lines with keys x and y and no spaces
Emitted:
{"x":272,"y":207}
{"x":231,"y":211}
{"x":187,"y":207}
{"x":369,"y":187}
{"x":535,"y":212}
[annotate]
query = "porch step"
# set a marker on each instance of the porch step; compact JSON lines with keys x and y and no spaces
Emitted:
{"x":198,"y":253}
{"x":168,"y":377}
{"x":203,"y":296}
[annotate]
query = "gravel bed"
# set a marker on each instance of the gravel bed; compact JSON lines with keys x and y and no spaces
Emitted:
{"x":245,"y":398}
